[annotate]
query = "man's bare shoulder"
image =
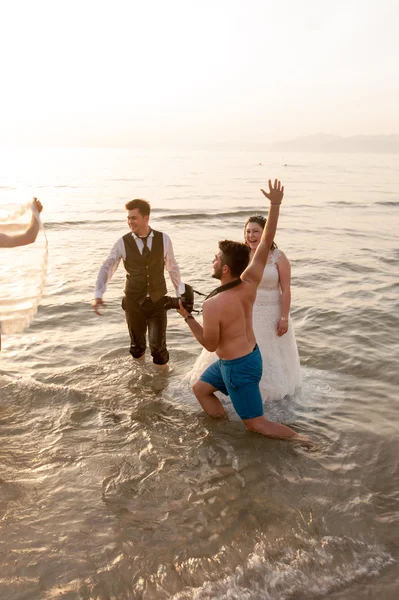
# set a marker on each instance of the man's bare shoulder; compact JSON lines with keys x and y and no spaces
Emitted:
{"x":218,"y":302}
{"x":214,"y":302}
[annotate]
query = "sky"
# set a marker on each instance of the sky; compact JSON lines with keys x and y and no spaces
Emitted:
{"x":160,"y":72}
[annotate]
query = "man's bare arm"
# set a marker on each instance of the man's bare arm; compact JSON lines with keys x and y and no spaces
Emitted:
{"x":253,"y":273}
{"x":207,"y":335}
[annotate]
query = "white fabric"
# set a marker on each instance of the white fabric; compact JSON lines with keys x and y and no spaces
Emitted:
{"x":22,"y":282}
{"x":281,"y":367}
{"x":118,"y":253}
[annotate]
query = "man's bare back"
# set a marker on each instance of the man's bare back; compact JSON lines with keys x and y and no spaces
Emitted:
{"x":233,"y":309}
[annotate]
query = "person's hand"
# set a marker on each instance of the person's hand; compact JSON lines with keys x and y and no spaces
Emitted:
{"x":276,"y":192}
{"x":282,"y":327}
{"x":181,"y":310}
{"x":38,"y":205}
{"x":97,"y":302}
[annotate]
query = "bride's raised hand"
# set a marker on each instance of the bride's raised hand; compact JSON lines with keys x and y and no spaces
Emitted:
{"x":276,"y":192}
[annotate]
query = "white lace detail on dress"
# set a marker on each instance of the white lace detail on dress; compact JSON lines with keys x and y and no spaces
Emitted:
{"x":274,"y":256}
{"x":270,"y":279}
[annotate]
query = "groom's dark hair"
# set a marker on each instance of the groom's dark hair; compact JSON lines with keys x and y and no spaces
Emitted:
{"x":142,"y":205}
{"x":235,"y":255}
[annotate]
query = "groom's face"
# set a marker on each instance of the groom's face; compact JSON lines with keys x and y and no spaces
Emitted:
{"x":137,"y":222}
{"x":217,"y":266}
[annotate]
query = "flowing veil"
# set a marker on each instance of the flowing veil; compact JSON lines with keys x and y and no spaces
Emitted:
{"x":22,"y":272}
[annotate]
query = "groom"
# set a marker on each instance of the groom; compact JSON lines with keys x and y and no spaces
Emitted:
{"x":227,"y":330}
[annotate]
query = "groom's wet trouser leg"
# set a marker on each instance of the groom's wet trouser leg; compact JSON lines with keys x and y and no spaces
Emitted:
{"x":157,"y":321}
{"x":136,"y":321}
{"x":139,"y":317}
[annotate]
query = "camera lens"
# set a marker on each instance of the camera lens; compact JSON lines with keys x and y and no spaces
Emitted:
{"x":171,"y":303}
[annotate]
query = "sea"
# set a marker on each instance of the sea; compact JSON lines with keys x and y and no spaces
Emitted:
{"x":113,"y":483}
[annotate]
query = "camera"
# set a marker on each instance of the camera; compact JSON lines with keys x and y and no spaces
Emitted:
{"x":187,"y":299}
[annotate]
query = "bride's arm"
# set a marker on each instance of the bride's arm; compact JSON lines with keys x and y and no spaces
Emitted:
{"x":253,"y":273}
{"x":284,"y":272}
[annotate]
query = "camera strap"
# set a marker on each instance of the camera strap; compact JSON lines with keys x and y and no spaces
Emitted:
{"x":218,"y":290}
{"x":199,"y":293}
{"x":224,"y":288}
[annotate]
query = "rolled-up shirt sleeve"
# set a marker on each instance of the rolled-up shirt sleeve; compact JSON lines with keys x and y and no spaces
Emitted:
{"x":171,"y":265}
{"x":109,"y":267}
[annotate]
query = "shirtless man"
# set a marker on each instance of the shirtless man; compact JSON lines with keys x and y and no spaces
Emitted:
{"x":227,"y":330}
{"x":29,"y":235}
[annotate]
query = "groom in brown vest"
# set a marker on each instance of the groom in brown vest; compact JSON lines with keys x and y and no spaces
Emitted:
{"x":146,"y":253}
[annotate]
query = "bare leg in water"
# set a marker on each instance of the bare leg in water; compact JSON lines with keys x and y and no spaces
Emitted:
{"x":209,"y":402}
{"x":205,"y":394}
{"x":276,"y":430}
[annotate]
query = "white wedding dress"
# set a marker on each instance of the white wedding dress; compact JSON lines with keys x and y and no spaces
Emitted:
{"x":281,"y":367}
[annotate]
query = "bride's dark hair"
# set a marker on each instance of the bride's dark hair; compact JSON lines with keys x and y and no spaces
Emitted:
{"x":261,"y":221}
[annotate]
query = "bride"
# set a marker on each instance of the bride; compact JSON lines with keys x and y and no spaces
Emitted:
{"x":271,"y":322}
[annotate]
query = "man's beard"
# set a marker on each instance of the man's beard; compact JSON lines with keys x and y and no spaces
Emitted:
{"x":217,"y":274}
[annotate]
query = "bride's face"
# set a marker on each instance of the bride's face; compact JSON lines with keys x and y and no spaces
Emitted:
{"x":253,"y":234}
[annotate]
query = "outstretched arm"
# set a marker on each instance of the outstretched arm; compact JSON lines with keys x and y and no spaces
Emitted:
{"x":29,"y":236}
{"x":253,"y":273}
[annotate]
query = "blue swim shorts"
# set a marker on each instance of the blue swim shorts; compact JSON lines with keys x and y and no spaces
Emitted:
{"x":239,"y":378}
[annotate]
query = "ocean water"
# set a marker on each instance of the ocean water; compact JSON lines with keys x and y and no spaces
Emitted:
{"x":113,"y":484}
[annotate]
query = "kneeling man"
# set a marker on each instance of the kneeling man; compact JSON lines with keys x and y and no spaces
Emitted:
{"x":227,"y":330}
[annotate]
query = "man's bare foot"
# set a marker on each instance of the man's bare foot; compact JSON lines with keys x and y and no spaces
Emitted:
{"x":302,"y":440}
{"x":139,"y":359}
{"x":164,"y":368}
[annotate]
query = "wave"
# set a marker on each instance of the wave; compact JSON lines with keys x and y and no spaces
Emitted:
{"x":86,"y":223}
{"x":179,"y":185}
{"x":307,"y":567}
{"x":388,"y":203}
{"x":208,"y":215}
{"x":389,"y":261}
{"x":163,"y":216}
{"x":76,"y":187}
{"x":347,"y":203}
{"x":126,"y":179}
{"x":353,"y":267}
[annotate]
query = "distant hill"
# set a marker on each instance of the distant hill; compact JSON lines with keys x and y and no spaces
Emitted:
{"x":334,"y":143}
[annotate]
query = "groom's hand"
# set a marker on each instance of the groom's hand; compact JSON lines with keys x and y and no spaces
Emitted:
{"x":97,"y":302}
{"x":276,"y":192}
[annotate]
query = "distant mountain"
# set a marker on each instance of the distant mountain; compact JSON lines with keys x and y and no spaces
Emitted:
{"x":334,"y":143}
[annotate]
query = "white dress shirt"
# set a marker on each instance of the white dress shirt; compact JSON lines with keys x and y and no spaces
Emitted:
{"x":118,"y":252}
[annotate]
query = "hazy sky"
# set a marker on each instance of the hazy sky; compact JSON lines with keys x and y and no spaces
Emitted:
{"x":172,"y":71}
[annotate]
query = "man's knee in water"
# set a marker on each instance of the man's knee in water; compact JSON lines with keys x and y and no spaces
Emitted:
{"x":205,"y":396}
{"x":200,"y":389}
